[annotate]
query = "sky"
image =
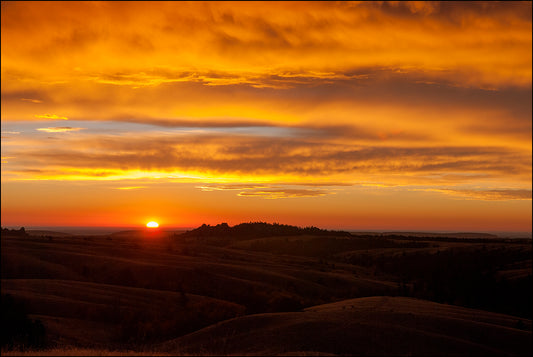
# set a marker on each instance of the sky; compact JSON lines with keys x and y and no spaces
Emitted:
{"x":341,"y":115}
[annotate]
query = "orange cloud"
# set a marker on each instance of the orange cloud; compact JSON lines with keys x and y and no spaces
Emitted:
{"x":50,"y":117}
{"x":484,"y":45}
{"x":5,"y":159}
{"x":37,"y":101}
{"x":60,"y":129}
{"x":489,"y":194}
{"x":253,"y":158}
{"x":220,"y":187}
{"x":283,"y":193}
{"x":269,"y":191}
{"x":130,"y":187}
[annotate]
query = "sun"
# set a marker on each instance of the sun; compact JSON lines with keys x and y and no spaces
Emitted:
{"x":152,"y":224}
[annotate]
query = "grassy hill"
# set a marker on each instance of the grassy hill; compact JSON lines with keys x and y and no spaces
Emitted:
{"x":385,"y":326}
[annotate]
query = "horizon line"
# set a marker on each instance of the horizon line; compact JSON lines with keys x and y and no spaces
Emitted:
{"x":113,"y":229}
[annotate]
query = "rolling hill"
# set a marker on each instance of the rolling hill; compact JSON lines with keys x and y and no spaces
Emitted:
{"x":386,"y":326}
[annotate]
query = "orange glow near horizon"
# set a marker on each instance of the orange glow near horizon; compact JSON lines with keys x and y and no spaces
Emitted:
{"x":356,"y":115}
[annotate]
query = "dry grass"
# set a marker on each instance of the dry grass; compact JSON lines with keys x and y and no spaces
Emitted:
{"x":81,"y":352}
{"x":393,"y":325}
{"x":106,"y":293}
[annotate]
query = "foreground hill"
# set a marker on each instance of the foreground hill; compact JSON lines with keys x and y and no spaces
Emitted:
{"x":364,"y":326}
{"x":131,"y":291}
{"x":89,"y":314}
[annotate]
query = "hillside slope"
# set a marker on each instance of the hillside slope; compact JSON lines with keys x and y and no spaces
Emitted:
{"x":364,"y":326}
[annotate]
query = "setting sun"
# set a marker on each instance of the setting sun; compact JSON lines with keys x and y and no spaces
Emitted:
{"x":152,"y":224}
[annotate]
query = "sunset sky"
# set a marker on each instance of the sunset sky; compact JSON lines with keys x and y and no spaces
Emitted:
{"x":345,"y":115}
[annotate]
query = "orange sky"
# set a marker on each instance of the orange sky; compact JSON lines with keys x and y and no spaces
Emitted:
{"x":352,"y":115}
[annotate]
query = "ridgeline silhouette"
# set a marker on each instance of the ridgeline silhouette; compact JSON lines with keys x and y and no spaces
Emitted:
{"x":258,"y":230}
{"x":15,"y":232}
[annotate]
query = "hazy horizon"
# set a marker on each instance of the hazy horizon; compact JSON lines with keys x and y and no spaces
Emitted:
{"x":102,"y":230}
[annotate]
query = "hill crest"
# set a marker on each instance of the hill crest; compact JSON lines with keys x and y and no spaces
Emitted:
{"x":258,"y":230}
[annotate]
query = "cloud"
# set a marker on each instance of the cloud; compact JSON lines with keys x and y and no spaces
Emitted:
{"x":130,"y":187}
{"x":6,"y":134}
{"x":5,"y":159}
{"x":194,"y":122}
{"x":37,"y":101}
{"x":266,"y":191}
{"x":379,"y":93}
{"x":489,"y":195}
{"x":283,"y":193}
{"x":242,"y":157}
{"x":60,"y":129}
{"x":481,"y":45}
{"x":269,"y":191}
{"x":388,"y":107}
{"x":277,"y":79}
{"x":231,"y":187}
{"x":50,"y":117}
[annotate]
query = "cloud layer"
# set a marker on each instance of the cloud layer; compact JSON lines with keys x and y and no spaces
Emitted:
{"x":264,"y":100}
{"x":225,"y":43}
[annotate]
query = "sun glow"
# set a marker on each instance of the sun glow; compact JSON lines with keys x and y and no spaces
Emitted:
{"x":152,"y":224}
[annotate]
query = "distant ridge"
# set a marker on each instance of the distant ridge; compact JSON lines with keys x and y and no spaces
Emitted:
{"x":258,"y":230}
{"x":449,"y":235}
{"x":48,"y":233}
{"x":14,"y":232}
